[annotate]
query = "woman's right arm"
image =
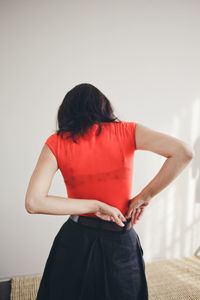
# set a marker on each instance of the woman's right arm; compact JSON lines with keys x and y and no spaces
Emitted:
{"x":178,"y":154}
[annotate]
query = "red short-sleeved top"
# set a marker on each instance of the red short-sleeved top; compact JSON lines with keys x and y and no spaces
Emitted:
{"x":98,"y":167}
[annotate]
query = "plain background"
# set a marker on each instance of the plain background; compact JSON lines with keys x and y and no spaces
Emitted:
{"x":144,"y":55}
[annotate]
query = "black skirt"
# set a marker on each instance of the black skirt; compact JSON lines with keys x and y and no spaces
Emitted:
{"x":86,"y":263}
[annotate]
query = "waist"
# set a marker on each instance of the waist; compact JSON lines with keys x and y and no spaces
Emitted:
{"x":100,"y":224}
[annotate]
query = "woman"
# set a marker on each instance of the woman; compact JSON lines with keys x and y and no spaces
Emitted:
{"x":97,"y":253}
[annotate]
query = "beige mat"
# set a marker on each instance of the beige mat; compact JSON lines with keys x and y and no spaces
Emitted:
{"x":174,"y":279}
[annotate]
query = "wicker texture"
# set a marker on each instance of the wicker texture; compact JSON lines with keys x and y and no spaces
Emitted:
{"x":173,"y":279}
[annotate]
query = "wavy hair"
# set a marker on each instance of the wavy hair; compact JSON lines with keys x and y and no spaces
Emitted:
{"x":83,"y":106}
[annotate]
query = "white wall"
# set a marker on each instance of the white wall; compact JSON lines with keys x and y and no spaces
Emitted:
{"x":144,"y":55}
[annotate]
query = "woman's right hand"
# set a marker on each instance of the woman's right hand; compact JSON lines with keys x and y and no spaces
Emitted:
{"x":110,"y":213}
{"x":136,"y":207}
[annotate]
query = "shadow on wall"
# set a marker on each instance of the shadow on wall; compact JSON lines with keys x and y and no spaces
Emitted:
{"x":196,"y":169}
{"x":175,"y":230}
{"x":196,"y":176}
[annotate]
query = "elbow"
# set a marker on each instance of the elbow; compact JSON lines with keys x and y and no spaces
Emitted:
{"x":29,"y":206}
{"x":187,"y":153}
{"x":191,"y":154}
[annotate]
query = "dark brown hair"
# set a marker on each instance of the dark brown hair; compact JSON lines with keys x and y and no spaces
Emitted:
{"x":83,"y":106}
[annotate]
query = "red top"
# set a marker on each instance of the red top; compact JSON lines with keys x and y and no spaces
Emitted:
{"x":98,"y":167}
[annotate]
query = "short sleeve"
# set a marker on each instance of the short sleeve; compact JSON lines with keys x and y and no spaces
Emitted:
{"x":132,"y":132}
{"x":52,"y":142}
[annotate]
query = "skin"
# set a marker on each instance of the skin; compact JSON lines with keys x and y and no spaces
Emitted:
{"x":178,"y":155}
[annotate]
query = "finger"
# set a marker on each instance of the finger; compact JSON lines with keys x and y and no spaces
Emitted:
{"x":141,"y":212}
{"x":132,"y":219}
{"x":134,"y":211}
{"x":107,"y":218}
{"x":118,"y":221}
{"x":135,"y":216}
{"x":129,"y":213}
{"x":103,"y":216}
{"x":112,"y":219}
{"x":122,"y":218}
{"x":137,"y":213}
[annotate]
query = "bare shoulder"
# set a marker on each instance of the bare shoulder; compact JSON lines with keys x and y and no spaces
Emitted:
{"x":159,"y":142}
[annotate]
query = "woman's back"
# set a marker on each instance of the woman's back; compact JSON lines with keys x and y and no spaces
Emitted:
{"x":99,"y":166}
